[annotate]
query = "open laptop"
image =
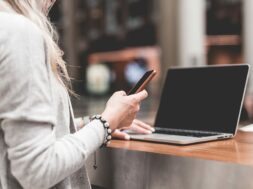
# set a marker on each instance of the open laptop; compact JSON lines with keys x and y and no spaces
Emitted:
{"x":199,"y":104}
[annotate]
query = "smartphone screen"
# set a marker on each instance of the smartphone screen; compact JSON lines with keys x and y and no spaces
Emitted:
{"x":142,"y":82}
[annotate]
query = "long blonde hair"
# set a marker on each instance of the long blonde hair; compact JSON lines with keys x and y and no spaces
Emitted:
{"x":33,"y":10}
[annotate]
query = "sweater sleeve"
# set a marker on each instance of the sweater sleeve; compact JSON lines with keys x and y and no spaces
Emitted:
{"x":40,"y":161}
{"x":37,"y":158}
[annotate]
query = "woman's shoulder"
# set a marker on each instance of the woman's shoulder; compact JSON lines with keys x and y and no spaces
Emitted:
{"x":22,"y":42}
{"x":16,"y":24}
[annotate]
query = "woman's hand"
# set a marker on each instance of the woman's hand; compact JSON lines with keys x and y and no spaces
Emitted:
{"x":121,"y":109}
{"x":137,"y":126}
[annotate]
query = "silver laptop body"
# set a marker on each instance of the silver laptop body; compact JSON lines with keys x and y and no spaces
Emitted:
{"x":199,"y":104}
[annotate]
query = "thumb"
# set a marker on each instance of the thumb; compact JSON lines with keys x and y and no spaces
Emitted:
{"x":121,"y":93}
{"x":141,"y":95}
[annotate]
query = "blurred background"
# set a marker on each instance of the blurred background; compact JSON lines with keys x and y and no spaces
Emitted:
{"x":109,"y":44}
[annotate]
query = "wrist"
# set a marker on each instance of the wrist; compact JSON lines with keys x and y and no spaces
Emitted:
{"x":111,"y":120}
{"x":106,"y":125}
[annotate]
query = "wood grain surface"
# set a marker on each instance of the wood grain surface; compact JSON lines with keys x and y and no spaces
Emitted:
{"x":238,"y":150}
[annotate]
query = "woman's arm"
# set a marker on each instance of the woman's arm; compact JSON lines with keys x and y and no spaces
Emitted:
{"x":39,"y":160}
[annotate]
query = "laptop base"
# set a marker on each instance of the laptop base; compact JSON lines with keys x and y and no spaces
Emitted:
{"x":175,"y":139}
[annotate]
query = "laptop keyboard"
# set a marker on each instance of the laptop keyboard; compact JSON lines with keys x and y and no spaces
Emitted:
{"x":185,"y":133}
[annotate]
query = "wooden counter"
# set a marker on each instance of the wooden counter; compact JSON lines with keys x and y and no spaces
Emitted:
{"x":238,"y":150}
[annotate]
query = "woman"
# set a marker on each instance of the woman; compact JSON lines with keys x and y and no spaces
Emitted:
{"x":39,"y":145}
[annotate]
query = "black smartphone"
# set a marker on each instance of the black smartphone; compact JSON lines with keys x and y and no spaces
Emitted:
{"x":141,"y":84}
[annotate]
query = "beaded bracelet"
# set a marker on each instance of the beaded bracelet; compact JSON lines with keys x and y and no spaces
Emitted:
{"x":108,"y":135}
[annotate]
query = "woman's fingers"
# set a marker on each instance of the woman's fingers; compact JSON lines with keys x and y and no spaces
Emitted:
{"x":143,"y":125}
{"x":138,"y":129}
{"x":137,"y":126}
{"x":139,"y":96}
{"x":120,"y":135}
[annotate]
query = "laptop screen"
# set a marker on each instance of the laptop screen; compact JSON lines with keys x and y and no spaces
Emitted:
{"x":204,"y":98}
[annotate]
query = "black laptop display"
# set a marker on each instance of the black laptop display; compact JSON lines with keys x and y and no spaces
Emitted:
{"x":205,"y":99}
